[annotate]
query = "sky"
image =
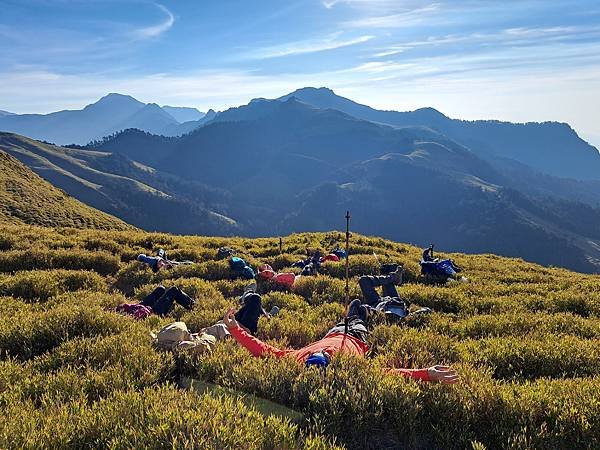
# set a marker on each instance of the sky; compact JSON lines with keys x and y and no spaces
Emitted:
{"x":516,"y":60}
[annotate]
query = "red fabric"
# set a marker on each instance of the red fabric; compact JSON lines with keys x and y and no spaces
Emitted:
{"x":286,"y":279}
{"x":330,"y":257}
{"x":134,"y":310}
{"x":332,"y":344}
{"x":266,"y":272}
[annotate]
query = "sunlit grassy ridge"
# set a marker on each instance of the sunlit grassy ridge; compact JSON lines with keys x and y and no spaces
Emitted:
{"x":27,"y":198}
{"x":524,"y":338}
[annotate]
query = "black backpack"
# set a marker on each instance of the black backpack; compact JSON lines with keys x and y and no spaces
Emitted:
{"x":387,"y":268}
{"x":224,"y":252}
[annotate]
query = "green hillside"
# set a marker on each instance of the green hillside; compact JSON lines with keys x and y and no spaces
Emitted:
{"x":27,"y":198}
{"x":112,"y":183}
{"x":524,"y":338}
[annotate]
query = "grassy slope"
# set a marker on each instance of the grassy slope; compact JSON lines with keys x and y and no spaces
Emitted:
{"x":126,"y":193}
{"x":27,"y":198}
{"x":525,"y":339}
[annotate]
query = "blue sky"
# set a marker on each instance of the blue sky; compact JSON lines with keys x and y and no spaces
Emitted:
{"x":524,"y":60}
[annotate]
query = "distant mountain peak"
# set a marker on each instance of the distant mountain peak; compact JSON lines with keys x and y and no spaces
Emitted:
{"x":116,"y":96}
{"x":259,"y":100}
{"x":114,"y":100}
{"x":309,"y":89}
{"x":183,"y":113}
{"x":430,"y":112}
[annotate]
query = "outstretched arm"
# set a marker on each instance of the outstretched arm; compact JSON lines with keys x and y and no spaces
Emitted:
{"x":443,"y":374}
{"x":254,"y":345}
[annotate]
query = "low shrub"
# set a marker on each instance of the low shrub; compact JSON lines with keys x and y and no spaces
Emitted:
{"x":31,"y":333}
{"x":100,"y":262}
{"x":153,"y":418}
{"x":41,"y":285}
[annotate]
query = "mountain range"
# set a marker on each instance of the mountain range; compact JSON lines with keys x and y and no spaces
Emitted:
{"x":289,"y":164}
{"x":110,"y":114}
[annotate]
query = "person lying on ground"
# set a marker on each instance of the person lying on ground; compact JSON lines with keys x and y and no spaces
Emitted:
{"x":389,"y":302}
{"x":154,"y":262}
{"x":266,"y":273}
{"x":428,"y":258}
{"x":176,"y":335}
{"x":247,"y":315}
{"x":310,"y":265}
{"x":428,"y":254}
{"x":353,"y":342}
{"x":160,"y":302}
{"x":159,"y":261}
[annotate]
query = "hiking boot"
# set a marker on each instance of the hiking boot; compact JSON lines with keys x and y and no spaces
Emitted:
{"x":397,"y":275}
{"x":274,"y":311}
{"x":421,"y":311}
{"x":357,"y":309}
{"x":251,"y":287}
{"x":186,"y":301}
{"x":192,"y":304}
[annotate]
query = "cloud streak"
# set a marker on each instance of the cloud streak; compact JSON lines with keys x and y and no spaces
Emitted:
{"x":516,"y":37}
{"x":406,"y":18}
{"x":158,"y":29}
{"x":307,"y":46}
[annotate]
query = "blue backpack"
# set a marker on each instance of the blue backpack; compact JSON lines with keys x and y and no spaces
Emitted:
{"x":441,"y":268}
{"x":241,"y":269}
{"x":248,"y":273}
{"x":340,"y":253}
{"x":237,"y":264}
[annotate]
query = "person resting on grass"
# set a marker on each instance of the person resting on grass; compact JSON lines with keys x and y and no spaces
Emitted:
{"x":319,"y":353}
{"x":428,"y":254}
{"x":160,"y":301}
{"x":176,"y":336}
{"x":389,"y":301}
{"x":285,"y":279}
{"x":428,"y":258}
{"x":159,"y":261}
{"x":311,"y":265}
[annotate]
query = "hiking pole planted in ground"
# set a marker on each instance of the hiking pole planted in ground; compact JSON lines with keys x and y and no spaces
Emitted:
{"x":347,"y":270}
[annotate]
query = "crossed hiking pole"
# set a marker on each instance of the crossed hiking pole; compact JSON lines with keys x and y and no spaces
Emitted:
{"x":347,"y":271}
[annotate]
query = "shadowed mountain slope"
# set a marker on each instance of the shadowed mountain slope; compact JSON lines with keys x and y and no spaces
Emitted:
{"x":550,"y":147}
{"x":27,"y":198}
{"x":122,"y":187}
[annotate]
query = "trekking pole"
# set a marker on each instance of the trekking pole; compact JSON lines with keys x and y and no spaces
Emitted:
{"x":347,"y":270}
{"x":280,"y":246}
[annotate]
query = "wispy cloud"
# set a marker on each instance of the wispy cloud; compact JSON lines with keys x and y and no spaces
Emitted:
{"x":373,"y":5}
{"x":404,"y":18}
{"x":331,"y":42}
{"x":520,"y":37}
{"x":158,"y":29}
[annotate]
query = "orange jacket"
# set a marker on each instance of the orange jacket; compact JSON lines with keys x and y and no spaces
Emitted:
{"x":332,"y":343}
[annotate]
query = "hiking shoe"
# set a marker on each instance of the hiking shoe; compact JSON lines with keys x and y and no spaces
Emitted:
{"x":357,"y":309}
{"x":186,"y":301}
{"x":251,"y":287}
{"x":421,"y":311}
{"x":397,"y":275}
{"x":274,"y":311}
